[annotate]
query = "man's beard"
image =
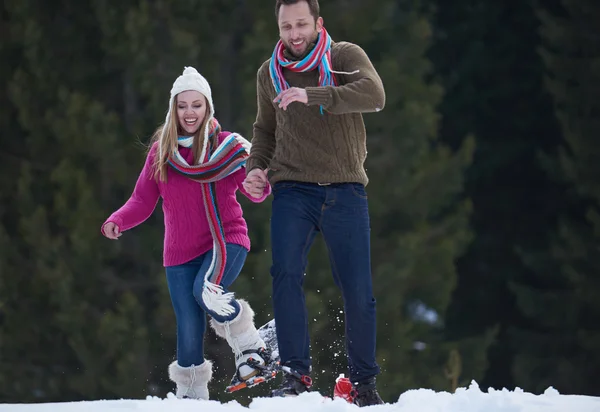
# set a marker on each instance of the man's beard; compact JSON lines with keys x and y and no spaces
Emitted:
{"x":310,"y":44}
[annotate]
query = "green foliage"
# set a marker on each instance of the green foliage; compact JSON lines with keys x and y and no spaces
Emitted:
{"x":85,"y":318}
{"x":558,"y":343}
{"x":485,"y":57}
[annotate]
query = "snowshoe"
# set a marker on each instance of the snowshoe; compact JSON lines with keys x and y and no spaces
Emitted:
{"x":361,"y":393}
{"x":344,"y":389}
{"x":293,"y":383}
{"x":263,"y":373}
{"x":268,"y":334}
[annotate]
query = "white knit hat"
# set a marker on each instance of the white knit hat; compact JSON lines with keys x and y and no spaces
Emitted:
{"x":190,"y":79}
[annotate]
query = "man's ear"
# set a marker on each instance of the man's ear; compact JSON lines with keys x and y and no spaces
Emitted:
{"x":320,"y":24}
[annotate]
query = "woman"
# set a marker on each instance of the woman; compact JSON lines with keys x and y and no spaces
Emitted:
{"x":196,"y":169}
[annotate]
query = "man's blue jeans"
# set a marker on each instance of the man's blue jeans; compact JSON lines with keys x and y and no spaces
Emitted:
{"x":185,"y":287}
{"x":340,"y":212}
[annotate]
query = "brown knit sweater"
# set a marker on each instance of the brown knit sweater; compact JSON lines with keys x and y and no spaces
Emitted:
{"x":300,"y":143}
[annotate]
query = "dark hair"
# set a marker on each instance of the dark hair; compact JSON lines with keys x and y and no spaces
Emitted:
{"x":313,"y":6}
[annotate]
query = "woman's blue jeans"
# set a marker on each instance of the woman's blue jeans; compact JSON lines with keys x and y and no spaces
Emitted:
{"x":185,"y":287}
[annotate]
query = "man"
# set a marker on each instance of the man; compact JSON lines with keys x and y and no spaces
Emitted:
{"x":310,"y":137}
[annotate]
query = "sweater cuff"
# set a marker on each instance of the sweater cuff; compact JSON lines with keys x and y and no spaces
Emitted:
{"x":114,"y":219}
{"x":319,"y":96}
{"x":252,"y":163}
{"x":266,"y":193}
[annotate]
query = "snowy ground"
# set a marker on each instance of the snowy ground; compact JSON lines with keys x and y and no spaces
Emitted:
{"x":422,"y":400}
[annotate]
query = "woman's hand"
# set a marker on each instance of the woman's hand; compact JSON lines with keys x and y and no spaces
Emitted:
{"x":256,"y":181}
{"x":111,"y":231}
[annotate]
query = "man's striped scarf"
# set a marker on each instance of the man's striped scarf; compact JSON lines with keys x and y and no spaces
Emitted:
{"x":216,"y":164}
{"x":319,"y":57}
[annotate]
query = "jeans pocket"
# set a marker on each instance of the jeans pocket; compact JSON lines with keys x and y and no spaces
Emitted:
{"x":359,"y":191}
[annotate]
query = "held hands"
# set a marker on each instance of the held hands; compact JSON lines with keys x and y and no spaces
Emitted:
{"x":293,"y":94}
{"x":255,"y":182}
{"x":111,"y":231}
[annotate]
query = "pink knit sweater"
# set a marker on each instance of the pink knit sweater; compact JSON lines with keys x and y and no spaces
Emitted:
{"x":187,"y":234}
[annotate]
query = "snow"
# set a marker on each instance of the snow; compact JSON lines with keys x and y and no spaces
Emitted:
{"x":471,"y":399}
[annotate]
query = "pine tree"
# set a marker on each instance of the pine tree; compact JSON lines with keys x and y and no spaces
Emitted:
{"x":484,"y":54}
{"x":419,"y":213}
{"x":78,"y":328}
{"x":558,"y":344}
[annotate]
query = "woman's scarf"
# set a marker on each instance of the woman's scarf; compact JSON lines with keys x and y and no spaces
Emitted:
{"x":215,"y":164}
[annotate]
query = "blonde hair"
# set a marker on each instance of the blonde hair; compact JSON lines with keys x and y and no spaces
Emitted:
{"x":166,"y":136}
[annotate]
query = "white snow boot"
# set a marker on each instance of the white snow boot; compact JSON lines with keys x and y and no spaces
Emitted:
{"x":244,"y":340}
{"x":191,"y":381}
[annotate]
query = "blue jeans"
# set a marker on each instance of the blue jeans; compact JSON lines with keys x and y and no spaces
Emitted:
{"x":341,"y":213}
{"x":185,"y":287}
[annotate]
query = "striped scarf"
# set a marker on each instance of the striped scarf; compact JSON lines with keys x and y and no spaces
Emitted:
{"x":319,"y":57}
{"x":215,"y":164}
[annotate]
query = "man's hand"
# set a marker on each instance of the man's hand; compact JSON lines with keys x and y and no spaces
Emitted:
{"x":293,"y":94}
{"x":255,"y":182}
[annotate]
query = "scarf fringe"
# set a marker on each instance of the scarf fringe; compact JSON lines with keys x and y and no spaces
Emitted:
{"x":216,"y":299}
{"x":347,"y":73}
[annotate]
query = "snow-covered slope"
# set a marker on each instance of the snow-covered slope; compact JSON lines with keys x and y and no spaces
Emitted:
{"x":422,"y":400}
